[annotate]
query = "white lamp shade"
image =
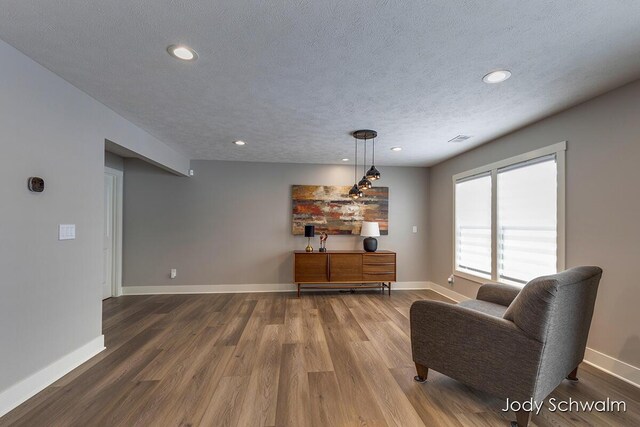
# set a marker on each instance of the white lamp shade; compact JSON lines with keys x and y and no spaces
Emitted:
{"x":370,"y":229}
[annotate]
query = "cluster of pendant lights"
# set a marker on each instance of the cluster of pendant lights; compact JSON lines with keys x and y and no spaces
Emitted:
{"x":369,"y":175}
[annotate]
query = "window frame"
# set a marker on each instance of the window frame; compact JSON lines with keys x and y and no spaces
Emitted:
{"x":559,"y":150}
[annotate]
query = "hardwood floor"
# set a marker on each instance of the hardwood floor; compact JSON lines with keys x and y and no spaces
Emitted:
{"x":326,"y":359}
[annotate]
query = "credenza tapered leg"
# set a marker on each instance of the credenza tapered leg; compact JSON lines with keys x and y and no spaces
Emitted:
{"x":298,"y":290}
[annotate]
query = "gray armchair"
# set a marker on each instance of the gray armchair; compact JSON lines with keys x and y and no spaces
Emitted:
{"x":513,"y":343}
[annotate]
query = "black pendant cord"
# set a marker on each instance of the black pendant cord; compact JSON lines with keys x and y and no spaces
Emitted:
{"x":364,"y":163}
{"x":373,"y":148}
{"x":355,"y":167}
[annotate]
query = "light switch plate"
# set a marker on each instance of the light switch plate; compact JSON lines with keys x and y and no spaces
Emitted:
{"x":415,"y":228}
{"x":66,"y":232}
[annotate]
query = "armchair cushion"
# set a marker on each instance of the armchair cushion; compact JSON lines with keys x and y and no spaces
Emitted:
{"x":531,"y":309}
{"x":498,"y":293}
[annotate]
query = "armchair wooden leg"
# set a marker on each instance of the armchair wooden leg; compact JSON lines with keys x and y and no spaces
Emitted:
{"x":423,"y":373}
{"x":573,"y":376}
{"x":522,"y":419}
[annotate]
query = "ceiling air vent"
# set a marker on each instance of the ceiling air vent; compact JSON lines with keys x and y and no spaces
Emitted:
{"x":460,"y":138}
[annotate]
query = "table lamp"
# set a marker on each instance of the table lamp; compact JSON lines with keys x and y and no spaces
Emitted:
{"x":370,"y":230}
{"x":309,"y":232}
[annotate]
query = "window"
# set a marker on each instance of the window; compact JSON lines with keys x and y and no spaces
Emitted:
{"x":527,"y":220}
{"x":473,"y":225}
{"x":509,"y":218}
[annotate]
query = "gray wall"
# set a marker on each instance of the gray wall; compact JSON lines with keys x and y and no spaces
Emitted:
{"x":50,"y":304}
{"x":602,"y":214}
{"x":231,"y":222}
{"x":113,"y":161}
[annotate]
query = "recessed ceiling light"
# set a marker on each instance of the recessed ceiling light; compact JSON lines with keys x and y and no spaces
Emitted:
{"x":182,"y":52}
{"x":497,"y":76}
{"x":396,"y":148}
{"x":239,"y":142}
{"x":345,"y":160}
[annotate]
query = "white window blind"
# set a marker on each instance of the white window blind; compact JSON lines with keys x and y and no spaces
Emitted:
{"x":527,"y":220}
{"x":473,"y":225}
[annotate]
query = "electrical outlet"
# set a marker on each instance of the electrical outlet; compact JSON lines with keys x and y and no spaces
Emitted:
{"x":415,"y":228}
{"x":174,"y":273}
{"x":451,"y":280}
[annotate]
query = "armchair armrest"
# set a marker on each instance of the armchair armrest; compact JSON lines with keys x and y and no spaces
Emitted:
{"x":498,"y":293}
{"x":484,"y":351}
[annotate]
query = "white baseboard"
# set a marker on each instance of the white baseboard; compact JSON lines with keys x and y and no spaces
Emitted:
{"x":30,"y":386}
{"x":408,"y":286}
{"x":238,"y":288}
{"x":612,"y":366}
{"x":617,"y":368}
{"x":447,"y":292}
{"x":208,"y":289}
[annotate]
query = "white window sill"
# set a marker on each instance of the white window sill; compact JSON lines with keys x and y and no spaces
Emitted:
{"x":481,"y":280}
{"x":471,"y":277}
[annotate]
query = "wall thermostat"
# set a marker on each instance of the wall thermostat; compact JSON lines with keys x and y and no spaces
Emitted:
{"x":36,"y":184}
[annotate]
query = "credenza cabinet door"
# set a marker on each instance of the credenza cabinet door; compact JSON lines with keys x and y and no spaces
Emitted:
{"x":345,"y":267}
{"x":312,"y":268}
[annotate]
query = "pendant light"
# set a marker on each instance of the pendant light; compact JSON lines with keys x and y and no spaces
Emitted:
{"x":364,"y":183}
{"x":373,"y":173}
{"x":355,"y":192}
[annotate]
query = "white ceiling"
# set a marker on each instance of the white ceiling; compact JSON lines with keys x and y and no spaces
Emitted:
{"x":293,"y":78}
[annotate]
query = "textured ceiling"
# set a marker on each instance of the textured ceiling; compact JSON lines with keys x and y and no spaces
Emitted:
{"x":293,"y":78}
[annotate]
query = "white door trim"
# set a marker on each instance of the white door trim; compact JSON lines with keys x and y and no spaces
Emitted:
{"x":116,"y":290}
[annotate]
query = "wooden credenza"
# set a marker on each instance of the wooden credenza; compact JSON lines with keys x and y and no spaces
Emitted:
{"x":344,"y":269}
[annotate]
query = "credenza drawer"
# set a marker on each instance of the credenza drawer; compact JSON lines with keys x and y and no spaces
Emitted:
{"x":379,"y":277}
{"x":379,"y":268}
{"x":379,"y":259}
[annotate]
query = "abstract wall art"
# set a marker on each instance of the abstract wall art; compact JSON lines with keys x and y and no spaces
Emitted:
{"x":330,"y":209}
